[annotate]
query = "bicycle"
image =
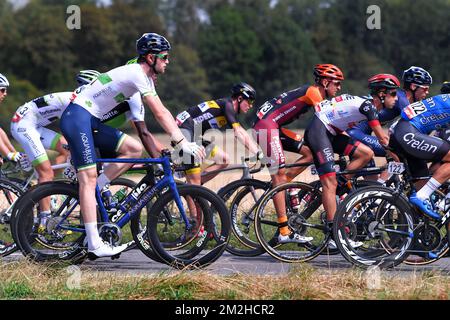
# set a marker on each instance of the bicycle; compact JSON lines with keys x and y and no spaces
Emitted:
{"x":248,"y":192}
{"x":390,"y":228}
{"x":63,"y":239}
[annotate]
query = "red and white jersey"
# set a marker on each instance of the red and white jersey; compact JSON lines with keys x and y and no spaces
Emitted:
{"x":345,"y":111}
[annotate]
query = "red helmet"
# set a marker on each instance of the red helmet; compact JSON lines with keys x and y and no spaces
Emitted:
{"x":383,"y":81}
{"x":328,"y":71}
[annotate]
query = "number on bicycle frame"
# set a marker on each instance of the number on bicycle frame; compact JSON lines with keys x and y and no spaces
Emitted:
{"x":396,"y":167}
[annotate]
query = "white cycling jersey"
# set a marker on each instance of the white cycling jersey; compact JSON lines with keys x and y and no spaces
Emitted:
{"x":345,"y":111}
{"x":29,"y":121}
{"x":113,"y":87}
{"x":43,"y":110}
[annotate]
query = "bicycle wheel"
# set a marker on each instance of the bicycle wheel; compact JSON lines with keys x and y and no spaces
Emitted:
{"x":306,"y":220}
{"x":430,"y":237}
{"x":241,"y":200}
{"x":9,"y":193}
{"x":381,"y":220}
{"x":166,"y":219}
{"x":207,"y":238}
{"x":62,"y":238}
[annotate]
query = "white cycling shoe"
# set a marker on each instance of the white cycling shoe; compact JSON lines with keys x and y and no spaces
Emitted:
{"x":106,"y":250}
{"x":293,"y":238}
{"x":355,"y":244}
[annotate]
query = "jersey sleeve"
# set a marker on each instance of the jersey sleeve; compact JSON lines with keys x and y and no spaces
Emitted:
{"x":230,"y":114}
{"x":370,"y":111}
{"x":144,"y":84}
{"x":312,"y":96}
{"x":137,"y":110}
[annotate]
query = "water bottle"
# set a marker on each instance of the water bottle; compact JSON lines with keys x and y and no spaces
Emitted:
{"x":119,"y":195}
{"x":293,"y":196}
{"x":107,"y":196}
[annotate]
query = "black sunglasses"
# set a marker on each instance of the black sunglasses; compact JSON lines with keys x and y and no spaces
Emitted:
{"x":3,"y":90}
{"x":392,"y":93}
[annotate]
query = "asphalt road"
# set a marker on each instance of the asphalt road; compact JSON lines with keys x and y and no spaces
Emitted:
{"x":135,"y":262}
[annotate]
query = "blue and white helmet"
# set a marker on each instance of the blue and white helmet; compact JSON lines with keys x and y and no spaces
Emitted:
{"x":152,"y":43}
{"x":417,"y":75}
{"x":3,"y":81}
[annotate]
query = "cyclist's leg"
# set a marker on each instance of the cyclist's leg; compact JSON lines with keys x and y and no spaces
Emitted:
{"x":221,"y":161}
{"x":29,"y":136}
{"x":115,"y":144}
{"x":77,"y":125}
{"x":52,"y":140}
{"x":268,"y":137}
{"x":294,"y":143}
{"x":425,"y":148}
{"x":318,"y":138}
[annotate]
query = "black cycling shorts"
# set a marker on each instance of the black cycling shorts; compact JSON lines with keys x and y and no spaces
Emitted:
{"x":324,"y":145}
{"x":418,"y":148}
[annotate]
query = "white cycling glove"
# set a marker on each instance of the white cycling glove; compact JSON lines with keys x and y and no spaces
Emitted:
{"x":15,"y":156}
{"x":198,"y":152}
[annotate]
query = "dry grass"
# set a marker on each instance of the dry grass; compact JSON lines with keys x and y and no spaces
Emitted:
{"x":25,"y":280}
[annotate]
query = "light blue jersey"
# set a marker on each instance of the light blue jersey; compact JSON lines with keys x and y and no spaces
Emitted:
{"x":429,"y":114}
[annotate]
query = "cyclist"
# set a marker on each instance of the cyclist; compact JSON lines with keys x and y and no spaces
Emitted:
{"x":325,"y":133}
{"x":410,"y":135}
{"x":217,"y":114}
{"x":6,"y":147}
{"x":274,"y":139}
{"x":445,"y":87}
{"x":83,"y":115}
{"x":416,"y":85}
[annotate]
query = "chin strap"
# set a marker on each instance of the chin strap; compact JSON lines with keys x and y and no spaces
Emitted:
{"x":152,"y":65}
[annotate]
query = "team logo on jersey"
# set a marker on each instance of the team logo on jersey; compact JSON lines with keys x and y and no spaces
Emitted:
{"x":266,"y":107}
{"x":339,"y":99}
{"x":207,"y":105}
{"x":182,"y":117}
{"x":415,"y":109}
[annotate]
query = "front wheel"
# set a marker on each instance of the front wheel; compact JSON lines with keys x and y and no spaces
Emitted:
{"x":207,"y":237}
{"x":305,"y":219}
{"x":374,"y":226}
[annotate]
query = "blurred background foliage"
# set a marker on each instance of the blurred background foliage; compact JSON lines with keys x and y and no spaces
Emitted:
{"x":271,"y":44}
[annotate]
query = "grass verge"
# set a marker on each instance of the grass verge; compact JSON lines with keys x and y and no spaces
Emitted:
{"x":26,"y":280}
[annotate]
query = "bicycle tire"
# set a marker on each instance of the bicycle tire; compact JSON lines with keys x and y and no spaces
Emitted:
{"x":301,"y":221}
{"x":380,"y":218}
{"x":233,"y":194}
{"x":210,"y":204}
{"x":74,"y":252}
{"x":9,"y":194}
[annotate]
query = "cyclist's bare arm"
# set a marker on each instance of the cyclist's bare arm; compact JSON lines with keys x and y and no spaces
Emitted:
{"x":5,"y":145}
{"x":163,"y":117}
{"x":245,"y":139}
{"x":152,"y":145}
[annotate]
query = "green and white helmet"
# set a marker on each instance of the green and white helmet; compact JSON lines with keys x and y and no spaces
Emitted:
{"x":3,"y":81}
{"x":86,"y":76}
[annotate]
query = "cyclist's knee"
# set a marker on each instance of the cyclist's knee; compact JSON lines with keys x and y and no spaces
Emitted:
{"x":306,"y":153}
{"x":87,"y":177}
{"x":45,"y":172}
{"x":279,"y":177}
{"x":131,"y":148}
{"x":363,"y":152}
{"x":329,"y":182}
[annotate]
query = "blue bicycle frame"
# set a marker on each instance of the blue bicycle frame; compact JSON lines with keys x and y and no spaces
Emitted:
{"x":123,"y":216}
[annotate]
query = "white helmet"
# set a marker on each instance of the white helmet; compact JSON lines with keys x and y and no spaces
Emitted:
{"x":3,"y":81}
